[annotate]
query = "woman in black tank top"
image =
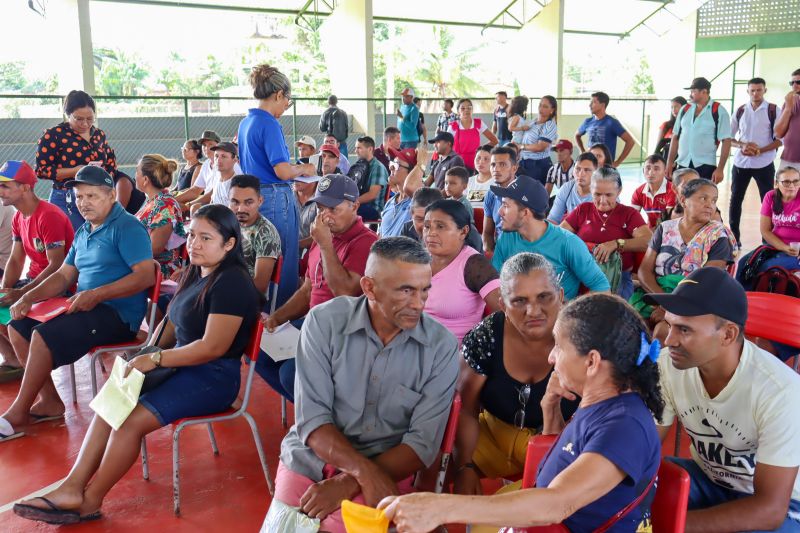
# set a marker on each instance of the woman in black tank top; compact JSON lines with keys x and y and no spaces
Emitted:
{"x":508,"y":358}
{"x":192,"y":153}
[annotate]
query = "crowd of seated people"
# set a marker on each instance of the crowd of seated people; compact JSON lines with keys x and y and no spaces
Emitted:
{"x":383,"y":315}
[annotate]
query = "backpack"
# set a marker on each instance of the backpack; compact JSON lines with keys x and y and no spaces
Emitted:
{"x":772,"y":113}
{"x":714,"y":115}
{"x":359,"y":172}
{"x":778,"y":280}
{"x":337,"y":124}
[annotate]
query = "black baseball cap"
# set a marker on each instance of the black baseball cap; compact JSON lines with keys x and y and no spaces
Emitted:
{"x":527,"y":191}
{"x":334,"y":189}
{"x":91,"y":175}
{"x":699,"y":83}
{"x":443,"y":136}
{"x":706,"y":291}
{"x":226,"y":147}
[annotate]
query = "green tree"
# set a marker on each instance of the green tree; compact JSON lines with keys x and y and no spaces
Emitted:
{"x":642,"y":82}
{"x":13,"y":79}
{"x":118,"y":73}
{"x":449,"y":74}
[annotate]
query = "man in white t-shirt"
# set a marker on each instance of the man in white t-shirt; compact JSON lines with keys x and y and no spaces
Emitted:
{"x":217,"y":187}
{"x":739,"y":405}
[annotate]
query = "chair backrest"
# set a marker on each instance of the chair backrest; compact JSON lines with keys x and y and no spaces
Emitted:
{"x":155,"y":290}
{"x":449,"y":439}
{"x":254,"y":344}
{"x":774,"y":317}
{"x":668,"y":511}
{"x":276,"y":271}
{"x":275,"y":280}
{"x":478,"y":214}
{"x":538,"y":446}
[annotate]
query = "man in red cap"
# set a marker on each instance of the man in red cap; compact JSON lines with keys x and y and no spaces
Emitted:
{"x":41,"y":232}
{"x":405,"y":177}
{"x":561,"y":172}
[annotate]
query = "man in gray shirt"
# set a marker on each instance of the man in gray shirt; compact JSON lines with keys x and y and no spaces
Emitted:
{"x":375,"y":380}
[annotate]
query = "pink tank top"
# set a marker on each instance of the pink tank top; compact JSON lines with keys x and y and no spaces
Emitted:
{"x":451,"y":302}
{"x":467,"y":141}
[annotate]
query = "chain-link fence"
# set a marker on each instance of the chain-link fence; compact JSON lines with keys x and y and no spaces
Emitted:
{"x":140,"y":125}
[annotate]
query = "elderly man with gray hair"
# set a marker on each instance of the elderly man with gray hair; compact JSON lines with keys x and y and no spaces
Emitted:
{"x":375,"y":378}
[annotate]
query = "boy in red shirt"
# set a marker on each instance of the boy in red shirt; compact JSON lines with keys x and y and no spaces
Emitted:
{"x":655,"y":195}
{"x":41,"y":232}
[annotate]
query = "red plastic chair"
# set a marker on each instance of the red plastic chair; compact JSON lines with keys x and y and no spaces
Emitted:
{"x":135,"y":345}
{"x":668,"y":510}
{"x":251,"y":356}
{"x":273,"y":304}
{"x":478,"y":214}
{"x":774,"y":317}
{"x":448,"y":442}
{"x":538,"y":446}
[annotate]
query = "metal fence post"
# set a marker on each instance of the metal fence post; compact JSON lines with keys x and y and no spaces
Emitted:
{"x":186,"y":118}
{"x":294,"y":129}
{"x":644,"y":134}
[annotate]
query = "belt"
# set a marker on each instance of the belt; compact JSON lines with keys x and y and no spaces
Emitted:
{"x":276,"y":185}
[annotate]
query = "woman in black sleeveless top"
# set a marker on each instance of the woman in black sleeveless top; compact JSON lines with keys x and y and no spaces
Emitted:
{"x":192,"y":154}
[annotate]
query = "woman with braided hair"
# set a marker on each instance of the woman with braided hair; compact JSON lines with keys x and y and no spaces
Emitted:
{"x":605,"y":458}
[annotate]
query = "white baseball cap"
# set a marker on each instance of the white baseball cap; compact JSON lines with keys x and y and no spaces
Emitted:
{"x":307,"y":139}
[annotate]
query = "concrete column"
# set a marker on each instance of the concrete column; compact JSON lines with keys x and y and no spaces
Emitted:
{"x":87,"y":50}
{"x":346,"y":37}
{"x":69,"y":19}
{"x":547,"y":31}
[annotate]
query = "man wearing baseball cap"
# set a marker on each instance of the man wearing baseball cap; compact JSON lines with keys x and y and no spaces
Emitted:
{"x":405,"y":177}
{"x":41,"y":233}
{"x":699,"y":128}
{"x":738,"y":404}
{"x":218,"y":186}
{"x":562,"y":171}
{"x":208,"y":175}
{"x":408,"y":113}
{"x":336,"y":261}
{"x":443,"y":142}
{"x":306,"y":147}
{"x":111,"y":260}
{"x":524,"y":204}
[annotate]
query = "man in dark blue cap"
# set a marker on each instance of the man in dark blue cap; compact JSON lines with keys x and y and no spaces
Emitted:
{"x":111,"y":261}
{"x":738,"y":404}
{"x":336,"y":261}
{"x":524,"y":205}
{"x":443,"y":142}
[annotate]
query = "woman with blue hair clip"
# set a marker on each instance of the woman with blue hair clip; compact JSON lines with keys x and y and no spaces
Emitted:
{"x":600,"y":473}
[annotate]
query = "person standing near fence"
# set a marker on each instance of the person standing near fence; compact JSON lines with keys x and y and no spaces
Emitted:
{"x":69,"y":146}
{"x":264,"y":154}
{"x":334,"y":121}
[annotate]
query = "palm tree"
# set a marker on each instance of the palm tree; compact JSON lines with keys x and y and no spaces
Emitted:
{"x":448,"y":74}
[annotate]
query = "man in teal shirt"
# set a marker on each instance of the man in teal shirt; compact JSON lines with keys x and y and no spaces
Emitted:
{"x":409,"y":116}
{"x":525,"y":229}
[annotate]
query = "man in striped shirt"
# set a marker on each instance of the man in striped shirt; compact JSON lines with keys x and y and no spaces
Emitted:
{"x":562,"y":171}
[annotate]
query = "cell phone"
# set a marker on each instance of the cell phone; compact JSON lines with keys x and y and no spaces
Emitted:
{"x":95,"y":163}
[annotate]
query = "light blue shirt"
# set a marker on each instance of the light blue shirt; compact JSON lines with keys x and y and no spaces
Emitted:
{"x":566,"y":200}
{"x":107,"y":254}
{"x":696,"y":146}
{"x":394,"y":215}
{"x":408,"y":124}
{"x":569,"y":255}
{"x":548,"y":132}
{"x":491,"y":207}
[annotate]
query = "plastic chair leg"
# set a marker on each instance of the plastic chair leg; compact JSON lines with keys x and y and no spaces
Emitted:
{"x":145,"y":463}
{"x":677,"y":439}
{"x":260,"y":448}
{"x":176,"y":483}
{"x":213,"y":439}
{"x":73,"y":384}
{"x":93,"y":371}
{"x":284,"y":421}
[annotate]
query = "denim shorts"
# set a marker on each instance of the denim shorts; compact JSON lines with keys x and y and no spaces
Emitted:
{"x":197,"y":390}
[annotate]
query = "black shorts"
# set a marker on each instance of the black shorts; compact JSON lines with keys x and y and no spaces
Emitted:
{"x":70,"y":337}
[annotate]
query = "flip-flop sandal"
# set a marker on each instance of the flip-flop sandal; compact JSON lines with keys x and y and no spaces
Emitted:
{"x":97,"y":515}
{"x":54,"y":515}
{"x":10,"y":373}
{"x":38,"y":419}
{"x":7,"y":431}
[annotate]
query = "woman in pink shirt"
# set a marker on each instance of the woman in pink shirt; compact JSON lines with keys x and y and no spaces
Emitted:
{"x":467,"y":133}
{"x":464,"y":282}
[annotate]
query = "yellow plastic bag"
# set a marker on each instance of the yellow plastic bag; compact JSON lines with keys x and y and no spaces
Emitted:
{"x":362,"y":519}
{"x":120,"y":394}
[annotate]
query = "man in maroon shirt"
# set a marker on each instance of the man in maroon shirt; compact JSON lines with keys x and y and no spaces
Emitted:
{"x":391,"y":145}
{"x":336,"y":262}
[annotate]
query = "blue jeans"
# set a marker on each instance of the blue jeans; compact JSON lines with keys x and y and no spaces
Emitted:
{"x":625,"y":289}
{"x":64,"y":199}
{"x":704,"y":493}
{"x":408,"y":144}
{"x":535,"y":168}
{"x":343,"y":147}
{"x":279,"y":374}
{"x":280,"y":208}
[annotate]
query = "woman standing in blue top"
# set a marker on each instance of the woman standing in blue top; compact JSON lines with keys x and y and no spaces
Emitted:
{"x":604,"y":460}
{"x":263,"y":153}
{"x":540,"y":135}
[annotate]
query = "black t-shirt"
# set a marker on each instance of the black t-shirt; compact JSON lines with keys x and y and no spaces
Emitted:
{"x":137,"y":197}
{"x":233,"y":293}
{"x":482,"y":349}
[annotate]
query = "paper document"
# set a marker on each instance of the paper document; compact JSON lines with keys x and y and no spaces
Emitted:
{"x":282,"y":343}
{"x":119,"y":396}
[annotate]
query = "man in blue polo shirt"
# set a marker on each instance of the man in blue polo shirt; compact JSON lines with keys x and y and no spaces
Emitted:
{"x":409,"y":116}
{"x":111,"y":261}
{"x":604,"y":129}
{"x":525,"y":229}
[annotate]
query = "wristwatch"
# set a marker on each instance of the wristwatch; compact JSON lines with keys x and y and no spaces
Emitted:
{"x":620,"y":244}
{"x":156,"y":358}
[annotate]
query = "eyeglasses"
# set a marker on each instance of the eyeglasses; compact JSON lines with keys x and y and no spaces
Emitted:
{"x":524,"y":395}
{"x":394,"y":165}
{"x":82,"y":120}
{"x":789,"y":183}
{"x":794,"y":82}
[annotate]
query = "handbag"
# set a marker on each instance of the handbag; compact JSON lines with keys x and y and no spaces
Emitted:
{"x":160,"y":374}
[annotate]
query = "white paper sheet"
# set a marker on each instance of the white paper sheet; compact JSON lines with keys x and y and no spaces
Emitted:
{"x":282,"y":343}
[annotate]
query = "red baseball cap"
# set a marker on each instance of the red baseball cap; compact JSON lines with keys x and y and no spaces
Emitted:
{"x":330,"y":148}
{"x":563,"y":144}
{"x":407,"y":156}
{"x":19,"y":171}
